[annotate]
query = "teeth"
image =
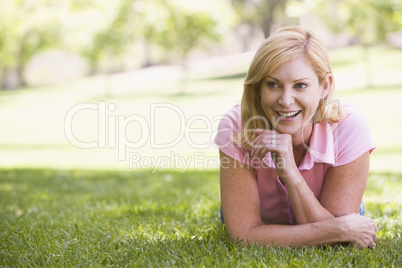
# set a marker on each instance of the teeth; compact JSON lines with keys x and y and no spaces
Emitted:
{"x":287,"y":114}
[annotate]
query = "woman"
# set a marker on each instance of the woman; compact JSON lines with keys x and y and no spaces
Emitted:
{"x":294,"y":161}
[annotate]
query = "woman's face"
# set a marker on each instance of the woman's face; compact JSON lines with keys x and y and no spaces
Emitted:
{"x":291,"y":93}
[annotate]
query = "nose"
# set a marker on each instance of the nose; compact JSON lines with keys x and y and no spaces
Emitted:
{"x":286,"y":99}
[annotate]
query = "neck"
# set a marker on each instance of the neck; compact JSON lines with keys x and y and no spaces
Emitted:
{"x":300,"y":142}
{"x":302,"y":138}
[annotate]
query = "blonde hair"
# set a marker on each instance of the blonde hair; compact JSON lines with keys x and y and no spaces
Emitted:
{"x":283,"y":46}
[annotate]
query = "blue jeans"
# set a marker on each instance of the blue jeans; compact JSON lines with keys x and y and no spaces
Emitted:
{"x":361,"y":211}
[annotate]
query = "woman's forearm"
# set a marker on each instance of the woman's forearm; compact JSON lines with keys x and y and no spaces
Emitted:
{"x":320,"y":233}
{"x":355,"y":229}
{"x":306,"y":207}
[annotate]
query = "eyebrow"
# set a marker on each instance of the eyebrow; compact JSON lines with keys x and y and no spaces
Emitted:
{"x":300,"y":79}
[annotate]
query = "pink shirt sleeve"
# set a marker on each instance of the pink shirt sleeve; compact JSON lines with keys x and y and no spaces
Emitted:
{"x":352,"y":137}
{"x":228,"y":129}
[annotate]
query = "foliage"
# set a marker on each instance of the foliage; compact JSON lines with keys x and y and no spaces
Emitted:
{"x":26,"y":28}
{"x":181,"y":25}
{"x":369,"y":20}
{"x":103,"y":29}
{"x":114,"y":38}
{"x":135,"y":218}
{"x":29,"y":27}
{"x":261,"y":13}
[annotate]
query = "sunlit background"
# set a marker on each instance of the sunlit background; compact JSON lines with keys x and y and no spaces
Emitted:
{"x":130,"y":84}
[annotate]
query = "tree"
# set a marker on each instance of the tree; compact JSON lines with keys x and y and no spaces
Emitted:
{"x":26,"y":27}
{"x":176,"y":26}
{"x":100,"y":29}
{"x":263,"y":15}
{"x":30,"y":26}
{"x":114,"y":37}
{"x":367,"y":20}
{"x":260,"y":13}
{"x":179,"y":26}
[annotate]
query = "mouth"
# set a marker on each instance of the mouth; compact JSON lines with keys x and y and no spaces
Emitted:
{"x":287,"y":114}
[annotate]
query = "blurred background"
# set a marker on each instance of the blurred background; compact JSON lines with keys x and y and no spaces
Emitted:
{"x":132,"y":84}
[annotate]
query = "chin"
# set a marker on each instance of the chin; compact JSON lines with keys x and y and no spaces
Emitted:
{"x":288,"y":131}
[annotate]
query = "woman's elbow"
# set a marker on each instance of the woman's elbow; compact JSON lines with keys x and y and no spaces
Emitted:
{"x":243,"y":235}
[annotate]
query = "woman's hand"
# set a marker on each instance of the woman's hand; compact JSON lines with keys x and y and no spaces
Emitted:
{"x":280,"y":146}
{"x":359,"y":230}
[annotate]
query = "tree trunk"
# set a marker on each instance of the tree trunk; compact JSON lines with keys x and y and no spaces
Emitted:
{"x":13,"y":76}
{"x":184,"y":74}
{"x":267,"y":22}
{"x":147,"y":54}
{"x":20,"y":74}
{"x":367,"y":65}
{"x":10,"y":78}
{"x":246,"y":33}
{"x":269,"y":14}
{"x":22,"y":60}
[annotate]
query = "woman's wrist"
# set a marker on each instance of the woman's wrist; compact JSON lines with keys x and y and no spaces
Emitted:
{"x":335,"y":230}
{"x":339,"y":224}
{"x":292,"y":178}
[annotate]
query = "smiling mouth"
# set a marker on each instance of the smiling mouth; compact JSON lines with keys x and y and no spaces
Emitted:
{"x":288,"y":115}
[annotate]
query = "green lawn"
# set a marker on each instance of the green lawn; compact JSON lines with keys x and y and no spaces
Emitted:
{"x":61,"y":205}
{"x":135,"y":218}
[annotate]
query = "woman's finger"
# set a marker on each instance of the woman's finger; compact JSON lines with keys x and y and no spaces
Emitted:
{"x":270,"y":145}
{"x":266,"y":141}
{"x":258,"y":147}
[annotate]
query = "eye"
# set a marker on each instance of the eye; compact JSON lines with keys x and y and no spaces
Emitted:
{"x":301,"y":85}
{"x":272,"y":85}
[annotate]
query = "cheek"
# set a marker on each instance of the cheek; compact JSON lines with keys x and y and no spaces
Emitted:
{"x":311,"y":110}
{"x":314,"y":105}
{"x":267,"y":100}
{"x":310,"y":102}
{"x":267,"y":108}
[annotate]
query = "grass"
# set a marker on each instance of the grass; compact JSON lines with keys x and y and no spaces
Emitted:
{"x":120,"y":218}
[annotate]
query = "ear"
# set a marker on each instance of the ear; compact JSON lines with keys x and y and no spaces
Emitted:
{"x":326,"y":85}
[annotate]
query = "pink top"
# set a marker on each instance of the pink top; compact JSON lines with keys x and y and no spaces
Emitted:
{"x":331,"y":145}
